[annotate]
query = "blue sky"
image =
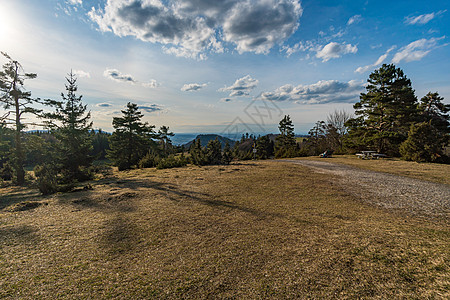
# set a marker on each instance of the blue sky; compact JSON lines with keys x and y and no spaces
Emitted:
{"x":229,"y":65}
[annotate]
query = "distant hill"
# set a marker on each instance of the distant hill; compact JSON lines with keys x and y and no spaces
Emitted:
{"x":205,"y":138}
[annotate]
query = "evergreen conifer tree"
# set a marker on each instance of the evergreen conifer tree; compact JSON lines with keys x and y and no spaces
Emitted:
{"x":385,"y":112}
{"x":198,"y":155}
{"x":426,"y":140}
{"x":285,"y":142}
{"x":131,"y":139}
{"x":17,"y":102}
{"x":164,"y":136}
{"x":421,"y":145}
{"x":214,"y":152}
{"x":227,"y":156}
{"x":72,"y":131}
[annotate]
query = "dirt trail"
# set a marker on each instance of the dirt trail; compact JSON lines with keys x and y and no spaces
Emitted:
{"x":414,"y":196}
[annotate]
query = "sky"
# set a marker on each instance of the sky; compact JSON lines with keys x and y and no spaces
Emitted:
{"x":228,"y":66}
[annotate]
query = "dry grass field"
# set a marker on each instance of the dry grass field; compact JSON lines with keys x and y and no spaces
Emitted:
{"x":250,"y":230}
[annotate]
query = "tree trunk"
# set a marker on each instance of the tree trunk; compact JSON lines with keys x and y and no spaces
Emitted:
{"x":20,"y":172}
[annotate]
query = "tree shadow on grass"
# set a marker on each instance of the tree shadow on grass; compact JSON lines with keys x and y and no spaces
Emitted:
{"x":121,"y":235}
{"x":22,"y":234}
{"x":175,"y":194}
{"x":17,"y":195}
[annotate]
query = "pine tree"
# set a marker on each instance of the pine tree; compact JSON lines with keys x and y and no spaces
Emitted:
{"x":426,"y":140}
{"x":131,"y":139}
{"x":214,"y":152}
{"x":164,"y":136}
{"x":17,"y":102}
{"x":227,"y":156}
{"x":385,"y":112}
{"x":72,"y":130}
{"x":421,"y":145}
{"x":198,"y":155}
{"x":433,"y":110}
{"x":264,"y":147}
{"x":285,"y":142}
{"x":100,"y":144}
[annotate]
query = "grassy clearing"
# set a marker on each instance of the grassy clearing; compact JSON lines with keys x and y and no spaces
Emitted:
{"x":439,"y":173}
{"x":250,"y":230}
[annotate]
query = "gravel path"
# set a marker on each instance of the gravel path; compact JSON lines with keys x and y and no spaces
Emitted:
{"x":413,"y":196}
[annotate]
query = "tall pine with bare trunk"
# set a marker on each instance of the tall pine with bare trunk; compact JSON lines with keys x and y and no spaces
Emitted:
{"x":17,"y":103}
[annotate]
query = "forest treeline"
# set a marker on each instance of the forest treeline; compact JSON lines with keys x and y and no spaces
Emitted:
{"x":388,"y":119}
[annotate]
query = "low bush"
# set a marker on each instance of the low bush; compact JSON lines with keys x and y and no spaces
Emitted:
{"x":150,"y":160}
{"x":171,"y":162}
{"x":47,"y":181}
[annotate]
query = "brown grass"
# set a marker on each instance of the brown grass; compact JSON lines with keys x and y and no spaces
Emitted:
{"x":250,"y":230}
{"x":439,"y":173}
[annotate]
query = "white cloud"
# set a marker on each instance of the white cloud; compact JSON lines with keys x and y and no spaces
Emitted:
{"x":76,"y":2}
{"x":241,"y":87}
{"x":379,"y":61}
{"x":423,"y":19}
{"x":193,"y":87}
{"x":151,"y":84}
{"x":416,"y":50}
{"x":324,"y":91}
{"x":81,"y":73}
{"x":192,"y":28}
{"x":335,"y":50}
{"x":354,"y":20}
{"x":300,"y":47}
{"x":116,"y":75}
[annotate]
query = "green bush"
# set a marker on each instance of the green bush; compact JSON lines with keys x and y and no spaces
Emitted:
{"x":171,"y":162}
{"x":47,"y":181}
{"x":6,"y":172}
{"x":150,"y":160}
{"x":422,"y":144}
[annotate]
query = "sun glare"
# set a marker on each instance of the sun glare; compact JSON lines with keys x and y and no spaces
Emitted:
{"x":5,"y":25}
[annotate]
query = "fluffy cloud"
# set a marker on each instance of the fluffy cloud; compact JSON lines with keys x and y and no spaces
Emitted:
{"x":241,"y":87}
{"x":257,"y":26}
{"x":335,"y":50}
{"x":324,"y":91}
{"x":75,"y":2}
{"x":416,"y":50}
{"x":81,"y":73}
{"x":116,"y":75}
{"x":151,"y":84}
{"x":379,"y":61}
{"x":192,"y":87}
{"x":423,"y":19}
{"x":150,"y":108}
{"x":190,"y":28}
{"x":355,"y":19}
{"x":301,"y":46}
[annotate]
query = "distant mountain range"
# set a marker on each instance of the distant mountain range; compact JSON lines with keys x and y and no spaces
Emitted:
{"x":205,"y":138}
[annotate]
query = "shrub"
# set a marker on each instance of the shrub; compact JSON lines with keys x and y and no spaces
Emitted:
{"x":6,"y":172}
{"x":171,"y":162}
{"x":47,"y":181}
{"x":422,"y":144}
{"x":149,"y":161}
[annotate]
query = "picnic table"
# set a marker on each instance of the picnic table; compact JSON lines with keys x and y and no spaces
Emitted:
{"x":370,"y":155}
